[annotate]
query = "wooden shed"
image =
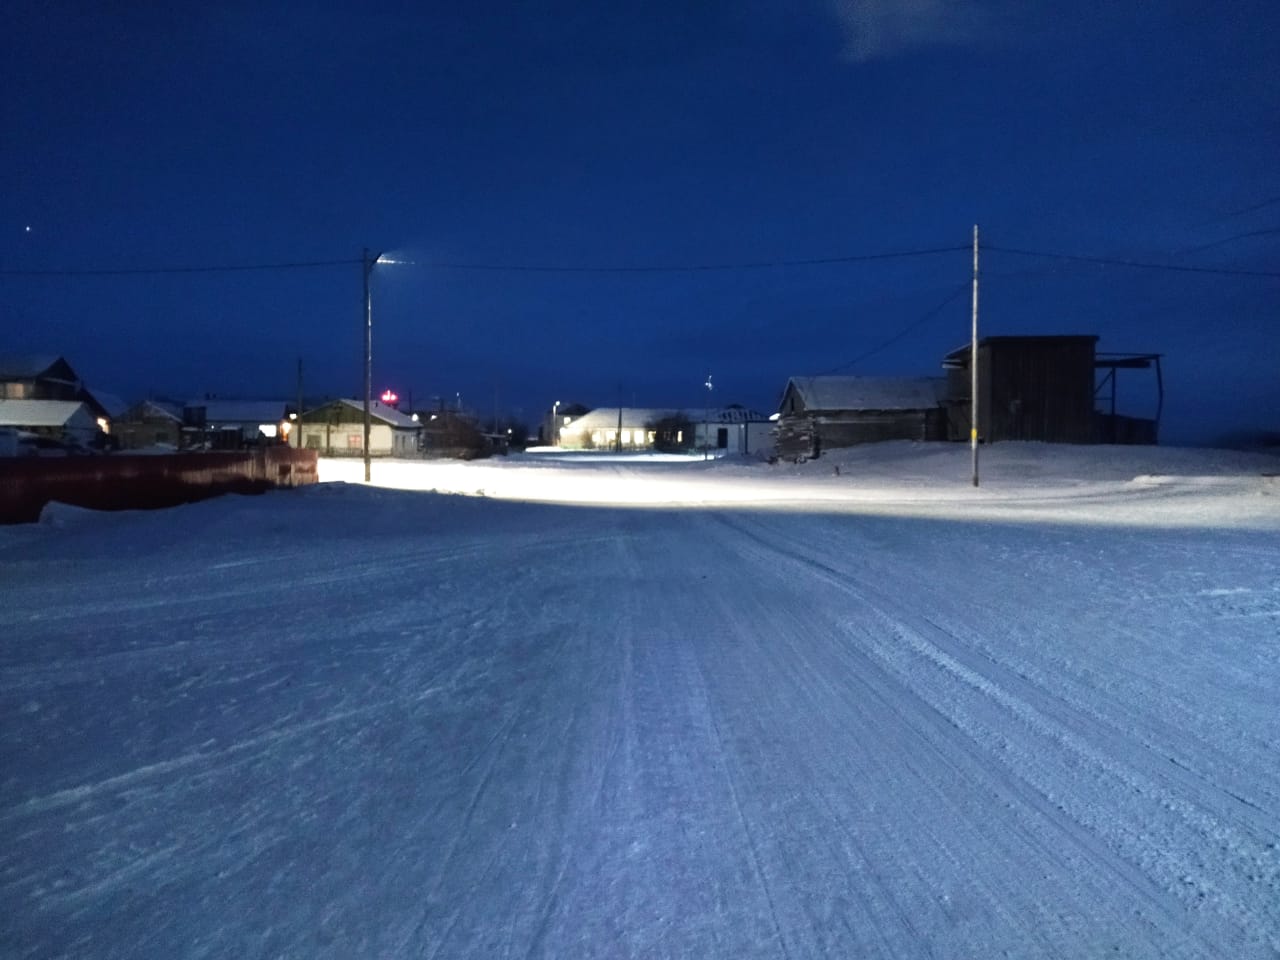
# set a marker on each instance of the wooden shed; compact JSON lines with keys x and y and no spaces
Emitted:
{"x":1029,"y":388}
{"x":1057,"y":389}
{"x":819,"y":413}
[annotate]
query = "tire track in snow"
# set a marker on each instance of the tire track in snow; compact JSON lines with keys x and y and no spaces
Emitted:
{"x":1065,"y":729}
{"x":909,"y":733}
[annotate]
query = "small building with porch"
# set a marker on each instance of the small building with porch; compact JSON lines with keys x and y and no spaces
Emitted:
{"x":336,"y":429}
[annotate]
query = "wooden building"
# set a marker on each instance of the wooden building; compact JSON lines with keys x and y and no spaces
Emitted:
{"x":818,"y":413}
{"x":151,"y":423}
{"x":336,"y":429}
{"x":1042,"y":388}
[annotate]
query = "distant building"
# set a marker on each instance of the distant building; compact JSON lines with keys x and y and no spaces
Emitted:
{"x":733,"y":429}
{"x":336,"y":429}
{"x":49,"y":377}
{"x":819,"y":413}
{"x":216,"y":424}
{"x":69,"y":424}
{"x":1046,"y":388}
{"x":151,"y":423}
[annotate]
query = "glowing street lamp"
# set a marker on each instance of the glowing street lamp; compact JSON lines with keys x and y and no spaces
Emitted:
{"x":706,"y":421}
{"x":368,"y":261}
{"x":555,"y":429}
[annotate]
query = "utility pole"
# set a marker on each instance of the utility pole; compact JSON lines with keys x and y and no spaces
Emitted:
{"x":618,"y":445}
{"x":297,"y":424}
{"x":367,"y":263}
{"x":973,"y":364}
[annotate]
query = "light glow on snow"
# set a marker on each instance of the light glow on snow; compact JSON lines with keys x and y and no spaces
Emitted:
{"x":1112,"y":486}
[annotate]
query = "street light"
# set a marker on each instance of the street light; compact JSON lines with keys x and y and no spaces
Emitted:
{"x":555,"y":433}
{"x":706,"y":418}
{"x":368,"y":261}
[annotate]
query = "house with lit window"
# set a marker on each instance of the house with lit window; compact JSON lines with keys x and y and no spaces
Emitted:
{"x":48,"y":377}
{"x":216,"y":424}
{"x":336,"y":429}
{"x":732,"y":429}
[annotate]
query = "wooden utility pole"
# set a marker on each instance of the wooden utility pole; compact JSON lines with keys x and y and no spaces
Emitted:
{"x":973,"y":364}
{"x":367,"y":262}
{"x":297,"y":423}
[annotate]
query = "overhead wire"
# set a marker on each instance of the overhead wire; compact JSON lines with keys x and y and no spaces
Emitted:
{"x":500,"y":267}
{"x":909,"y":328}
{"x":1119,"y":262}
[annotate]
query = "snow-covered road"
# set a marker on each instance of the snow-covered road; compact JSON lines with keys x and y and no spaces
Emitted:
{"x":347,"y":722}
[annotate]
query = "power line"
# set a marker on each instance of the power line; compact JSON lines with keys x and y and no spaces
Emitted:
{"x":1240,"y":212}
{"x":904,"y":331}
{"x":697,"y":268}
{"x":151,"y":271}
{"x":640,"y":269}
{"x":1231,"y":239}
{"x":493,"y":267}
{"x":1139,"y":264}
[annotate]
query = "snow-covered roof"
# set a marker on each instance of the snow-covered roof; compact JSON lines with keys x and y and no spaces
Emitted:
{"x":37,"y":413}
{"x":153,"y":409}
{"x":241,"y":411}
{"x":380,"y":411}
{"x":869,"y":393}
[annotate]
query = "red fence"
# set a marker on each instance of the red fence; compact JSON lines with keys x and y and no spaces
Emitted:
{"x":124,"y":482}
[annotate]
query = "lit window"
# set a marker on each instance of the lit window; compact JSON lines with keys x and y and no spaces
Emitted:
{"x":679,"y":436}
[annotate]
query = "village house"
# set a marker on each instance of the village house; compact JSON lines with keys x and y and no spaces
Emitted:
{"x":43,"y":396}
{"x":217,"y":424}
{"x":151,"y":423}
{"x":336,"y":429}
{"x":732,"y":429}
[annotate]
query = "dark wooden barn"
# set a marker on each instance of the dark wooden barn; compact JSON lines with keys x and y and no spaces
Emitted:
{"x":1042,"y":388}
{"x":819,"y":413}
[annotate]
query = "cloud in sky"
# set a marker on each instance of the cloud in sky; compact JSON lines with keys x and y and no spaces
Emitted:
{"x":880,"y":29}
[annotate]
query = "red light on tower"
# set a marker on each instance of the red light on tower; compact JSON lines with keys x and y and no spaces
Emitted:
{"x":390,"y":398}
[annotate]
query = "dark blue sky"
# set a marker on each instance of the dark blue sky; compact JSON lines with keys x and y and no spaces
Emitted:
{"x":639,"y":134}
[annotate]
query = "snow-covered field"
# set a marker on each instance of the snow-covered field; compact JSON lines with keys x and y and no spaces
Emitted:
{"x":769,"y":712}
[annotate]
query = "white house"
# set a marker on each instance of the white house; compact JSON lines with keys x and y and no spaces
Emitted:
{"x":336,"y":429}
{"x":732,"y":429}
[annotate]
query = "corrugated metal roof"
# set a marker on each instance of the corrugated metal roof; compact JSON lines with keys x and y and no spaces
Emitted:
{"x":869,"y":393}
{"x":37,"y":413}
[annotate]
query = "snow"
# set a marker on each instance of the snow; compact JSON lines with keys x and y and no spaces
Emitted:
{"x":694,"y":709}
